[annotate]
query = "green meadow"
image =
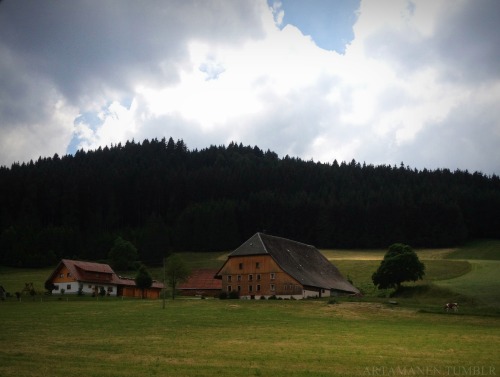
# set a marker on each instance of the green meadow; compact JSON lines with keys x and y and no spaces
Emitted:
{"x":376,"y":335}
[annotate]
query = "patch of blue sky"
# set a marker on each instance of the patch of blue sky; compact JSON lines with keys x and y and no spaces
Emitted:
{"x":328,"y":22}
{"x":93,"y":120}
{"x":212,"y":69}
{"x":74,"y":145}
{"x":90,"y":119}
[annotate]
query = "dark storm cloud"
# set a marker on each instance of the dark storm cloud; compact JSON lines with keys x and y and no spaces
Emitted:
{"x":468,"y":41}
{"x":90,"y":48}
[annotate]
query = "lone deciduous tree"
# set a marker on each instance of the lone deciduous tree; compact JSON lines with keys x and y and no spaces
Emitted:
{"x":400,"y":264}
{"x":177,"y":271}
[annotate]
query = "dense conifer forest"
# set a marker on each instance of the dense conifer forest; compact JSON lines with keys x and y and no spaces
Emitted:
{"x":163,"y":197}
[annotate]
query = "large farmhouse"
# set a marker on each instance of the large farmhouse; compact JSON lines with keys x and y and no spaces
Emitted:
{"x":71,"y":276}
{"x":273,"y":266}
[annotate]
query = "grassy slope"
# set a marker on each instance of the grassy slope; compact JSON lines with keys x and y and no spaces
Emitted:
{"x":13,"y":279}
{"x":482,"y":284}
{"x":222,"y":338}
{"x":478,"y":249}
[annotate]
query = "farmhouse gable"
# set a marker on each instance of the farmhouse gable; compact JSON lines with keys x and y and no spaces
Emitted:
{"x":266,"y":265}
{"x":72,"y":276}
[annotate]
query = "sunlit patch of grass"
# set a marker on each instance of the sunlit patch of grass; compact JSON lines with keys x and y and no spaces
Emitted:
{"x":482,"y":283}
{"x":343,"y":254}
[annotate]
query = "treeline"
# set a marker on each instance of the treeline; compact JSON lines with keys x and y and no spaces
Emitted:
{"x":163,"y":197}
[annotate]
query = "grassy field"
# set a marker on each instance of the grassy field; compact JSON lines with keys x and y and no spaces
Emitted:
{"x":113,"y":337}
{"x":75,"y":336}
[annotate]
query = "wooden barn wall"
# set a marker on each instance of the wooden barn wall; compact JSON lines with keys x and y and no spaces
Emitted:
{"x":248,"y":273}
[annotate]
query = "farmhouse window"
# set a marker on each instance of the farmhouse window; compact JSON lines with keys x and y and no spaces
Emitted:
{"x":258,"y":287}
{"x":229,"y":278}
{"x":241,"y":266}
{"x":56,"y":287}
{"x":61,"y":275}
{"x":257,"y":264}
{"x":68,"y":274}
{"x":273,"y":276}
{"x":90,"y":285}
{"x":68,"y":287}
{"x":239,"y":277}
{"x":250,"y":277}
{"x":258,"y":276}
{"x":229,"y":289}
{"x":110,"y":289}
{"x":272,"y":287}
{"x":239,"y":288}
{"x":250,"y":288}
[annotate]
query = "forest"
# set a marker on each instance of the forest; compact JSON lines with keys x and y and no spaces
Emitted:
{"x":163,"y":198}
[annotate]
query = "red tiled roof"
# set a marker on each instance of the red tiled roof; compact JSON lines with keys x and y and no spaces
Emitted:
{"x":75,"y":266}
{"x":121,"y":280}
{"x":202,"y":279}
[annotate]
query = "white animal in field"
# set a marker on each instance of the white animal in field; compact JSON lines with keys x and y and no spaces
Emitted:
{"x":451,"y":306}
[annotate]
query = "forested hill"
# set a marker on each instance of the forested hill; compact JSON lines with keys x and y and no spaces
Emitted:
{"x":163,"y":197}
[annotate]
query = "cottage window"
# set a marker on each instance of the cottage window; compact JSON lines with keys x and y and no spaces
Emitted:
{"x":272,"y":288}
{"x":241,"y":266}
{"x":250,"y":277}
{"x":56,"y":287}
{"x":61,"y":275}
{"x":229,"y":278}
{"x":110,"y":289}
{"x":68,"y":274}
{"x":273,"y":276}
{"x":68,"y":287}
{"x":90,"y":285}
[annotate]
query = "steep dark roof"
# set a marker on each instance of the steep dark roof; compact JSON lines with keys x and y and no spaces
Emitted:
{"x":303,"y":262}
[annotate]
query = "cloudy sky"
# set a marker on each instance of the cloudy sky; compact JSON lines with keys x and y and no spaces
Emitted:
{"x":381,"y":82}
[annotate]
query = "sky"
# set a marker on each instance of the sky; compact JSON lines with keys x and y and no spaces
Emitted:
{"x":382,"y":82}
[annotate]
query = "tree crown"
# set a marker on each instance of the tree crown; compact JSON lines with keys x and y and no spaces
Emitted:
{"x":400,"y":264}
